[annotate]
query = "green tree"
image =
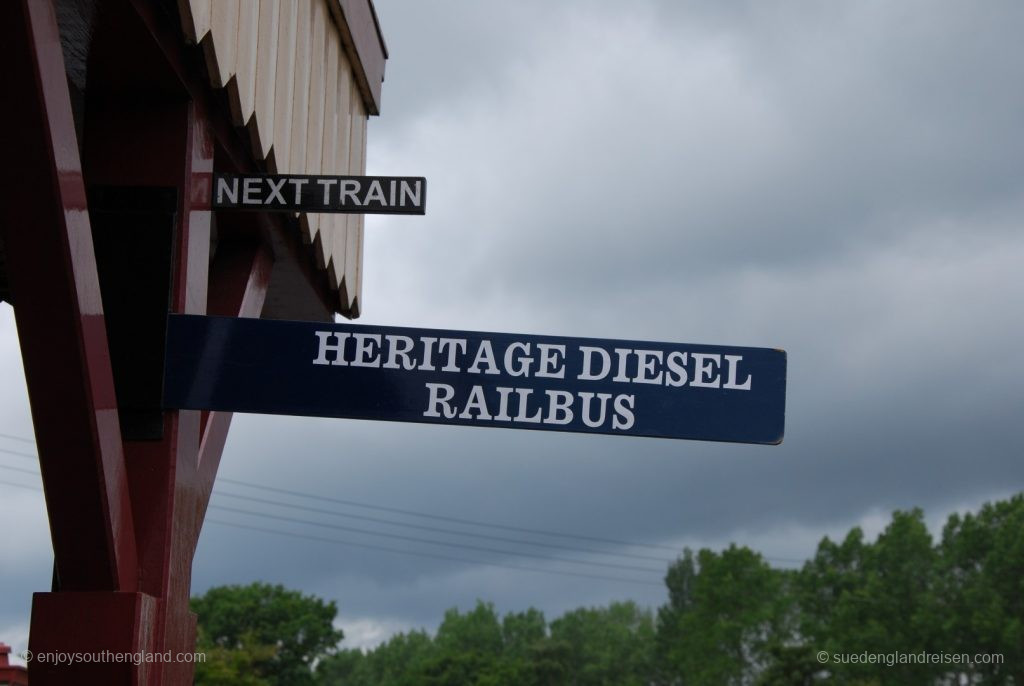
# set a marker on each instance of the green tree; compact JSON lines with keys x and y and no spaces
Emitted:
{"x":901,"y":583}
{"x":521,"y":631}
{"x":981,"y":586}
{"x":477,"y":631}
{"x":547,"y":664}
{"x":237,"y":666}
{"x":875,"y":598}
{"x":835,"y":573}
{"x":680,"y":581}
{"x":730,"y":619}
{"x":400,"y":661}
{"x":529,"y":657}
{"x":725,"y":611}
{"x":789,"y":665}
{"x":282,"y":632}
{"x":612,"y":645}
{"x":788,"y":660}
{"x":469,"y":649}
{"x":350,"y":667}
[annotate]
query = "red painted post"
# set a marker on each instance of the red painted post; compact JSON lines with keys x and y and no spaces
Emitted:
{"x":237,"y":288}
{"x":125,"y":515}
{"x":58,"y":309}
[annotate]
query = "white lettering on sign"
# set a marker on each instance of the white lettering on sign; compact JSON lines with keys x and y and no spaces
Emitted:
{"x":647,"y":360}
{"x":297,"y":184}
{"x":365,"y":355}
{"x":227,"y":192}
{"x":349,"y":192}
{"x":623,"y":418}
{"x":398,"y":193}
{"x":485,"y":355}
{"x":733,"y":364}
{"x":549,"y":365}
{"x":409,"y":194}
{"x":527,"y":406}
{"x":326,"y":347}
{"x":399,"y":347}
{"x":439,"y":403}
{"x":326,"y":185}
{"x":375,"y":193}
{"x":250,"y":188}
{"x":523,"y":404}
{"x":319,"y":193}
{"x":523,"y":366}
{"x":454,"y":346}
{"x":677,"y":365}
{"x":275,"y":191}
{"x":705,"y":374}
{"x":588,"y":373}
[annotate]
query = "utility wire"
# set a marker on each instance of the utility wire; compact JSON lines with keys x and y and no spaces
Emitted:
{"x":425,"y":515}
{"x":432,"y":556}
{"x":31,"y":488}
{"x":463,"y":546}
{"x":399,"y":537}
{"x":413,"y":513}
{"x":15,"y":452}
{"x":382,"y":534}
{"x":436,"y":529}
{"x":456,"y":520}
{"x":420,"y":527}
{"x":22,"y":439}
{"x":19,"y":470}
{"x":386,"y":549}
{"x":398,"y":551}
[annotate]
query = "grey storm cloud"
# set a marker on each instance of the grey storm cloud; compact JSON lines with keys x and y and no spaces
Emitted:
{"x":842,"y":180}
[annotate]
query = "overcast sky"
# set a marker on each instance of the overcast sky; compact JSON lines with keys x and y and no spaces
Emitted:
{"x":841,"y":180}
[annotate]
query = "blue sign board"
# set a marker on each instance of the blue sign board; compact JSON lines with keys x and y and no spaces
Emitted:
{"x":551,"y":383}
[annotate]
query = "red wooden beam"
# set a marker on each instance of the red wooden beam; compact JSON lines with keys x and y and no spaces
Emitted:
{"x":238,"y":286}
{"x":170,"y":480}
{"x":59,"y":312}
{"x":125,"y":515}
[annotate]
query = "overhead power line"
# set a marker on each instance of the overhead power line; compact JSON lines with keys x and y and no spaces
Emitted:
{"x":437,"y":529}
{"x":382,"y":534}
{"x":16,"y":453}
{"x":456,"y":520}
{"x":19,"y":470}
{"x":437,"y":517}
{"x":413,"y":539}
{"x":448,"y":558}
{"x":20,"y":439}
{"x":427,"y":541}
{"x":30,"y":488}
{"x":397,"y":551}
{"x":420,"y":527}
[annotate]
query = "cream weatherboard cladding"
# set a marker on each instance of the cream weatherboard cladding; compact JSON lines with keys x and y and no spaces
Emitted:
{"x":287,"y":67}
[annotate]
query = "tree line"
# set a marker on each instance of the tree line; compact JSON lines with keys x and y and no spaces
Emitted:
{"x":902,"y":609}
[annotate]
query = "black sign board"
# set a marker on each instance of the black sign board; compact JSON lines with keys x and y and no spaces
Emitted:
{"x":305,"y":193}
{"x":628,"y":388}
